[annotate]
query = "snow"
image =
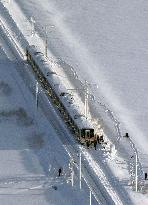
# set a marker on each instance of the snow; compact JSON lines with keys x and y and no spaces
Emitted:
{"x":108,"y":38}
{"x":72,"y":103}
{"x":105,"y":43}
{"x":29,"y":156}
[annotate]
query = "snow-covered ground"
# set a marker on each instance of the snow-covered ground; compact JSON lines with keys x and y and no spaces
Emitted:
{"x":29,"y":156}
{"x":105,"y":42}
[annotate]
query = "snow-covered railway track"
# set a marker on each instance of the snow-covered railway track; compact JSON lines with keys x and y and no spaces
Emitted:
{"x":12,"y":42}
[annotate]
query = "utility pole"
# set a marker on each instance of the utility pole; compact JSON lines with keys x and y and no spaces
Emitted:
{"x":32,"y":26}
{"x":46,"y":39}
{"x":90,"y":197}
{"x":72,"y":171}
{"x":46,"y":42}
{"x":136,"y":173}
{"x":72,"y":175}
{"x":36,"y":97}
{"x":80,"y":167}
{"x":86,"y":100}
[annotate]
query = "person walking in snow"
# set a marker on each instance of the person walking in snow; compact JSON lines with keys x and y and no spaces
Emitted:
{"x":145,"y":176}
{"x":95,"y":144}
{"x":60,"y":172}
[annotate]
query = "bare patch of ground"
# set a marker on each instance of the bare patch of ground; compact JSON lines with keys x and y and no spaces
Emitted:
{"x":19,"y":115}
{"x":5,"y":89}
{"x":36,"y":140}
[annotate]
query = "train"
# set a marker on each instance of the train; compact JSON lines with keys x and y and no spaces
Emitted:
{"x":58,"y":94}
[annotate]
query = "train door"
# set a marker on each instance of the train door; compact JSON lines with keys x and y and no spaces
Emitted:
{"x":87,"y":134}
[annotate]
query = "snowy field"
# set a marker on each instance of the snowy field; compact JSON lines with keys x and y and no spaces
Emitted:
{"x":105,"y":43}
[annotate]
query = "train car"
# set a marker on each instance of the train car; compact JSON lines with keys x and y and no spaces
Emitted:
{"x":68,"y":107}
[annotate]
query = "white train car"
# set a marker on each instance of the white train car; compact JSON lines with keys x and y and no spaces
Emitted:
{"x":68,"y":107}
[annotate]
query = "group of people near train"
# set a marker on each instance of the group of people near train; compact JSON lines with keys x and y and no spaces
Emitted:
{"x":99,"y":140}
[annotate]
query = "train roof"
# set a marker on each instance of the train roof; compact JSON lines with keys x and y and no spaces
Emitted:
{"x":73,"y":106}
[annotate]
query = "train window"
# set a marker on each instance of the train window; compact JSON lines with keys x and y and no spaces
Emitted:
{"x":33,"y":63}
{"x":87,"y":133}
{"x":38,"y":52}
{"x":71,"y":120}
